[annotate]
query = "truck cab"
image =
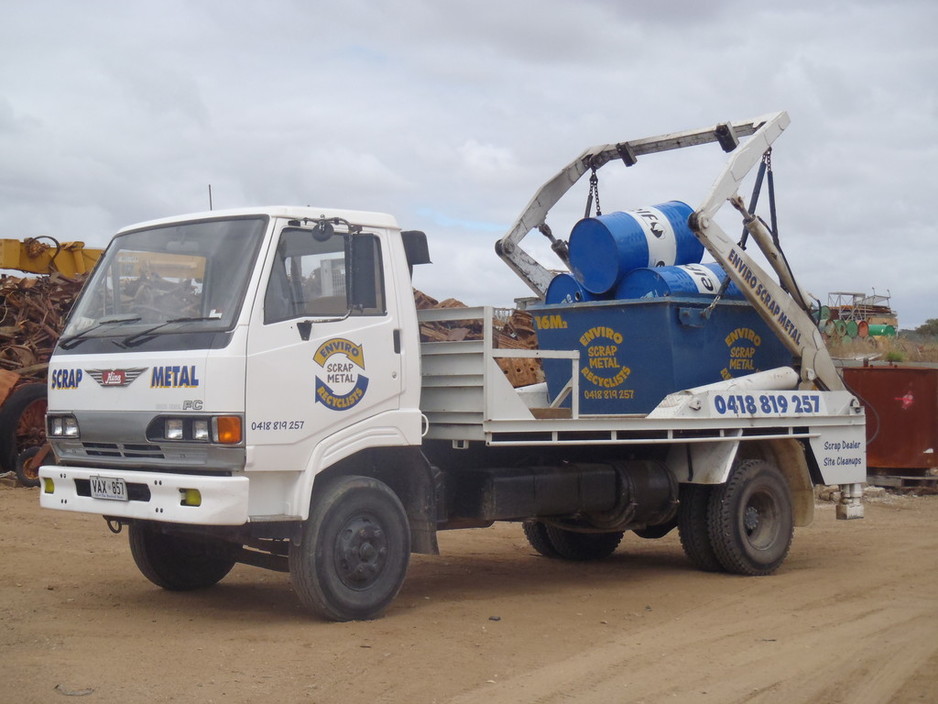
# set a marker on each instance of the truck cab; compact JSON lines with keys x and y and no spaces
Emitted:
{"x":267,"y":344}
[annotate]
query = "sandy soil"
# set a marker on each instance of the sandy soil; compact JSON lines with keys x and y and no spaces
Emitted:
{"x":852,"y":616}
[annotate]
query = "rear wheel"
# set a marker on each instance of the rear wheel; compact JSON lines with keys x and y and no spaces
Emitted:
{"x":570,"y":545}
{"x":751,"y":519}
{"x":536,"y":533}
{"x":354,"y":550}
{"x":657,"y":531}
{"x":178,"y":563}
{"x":693,"y":527}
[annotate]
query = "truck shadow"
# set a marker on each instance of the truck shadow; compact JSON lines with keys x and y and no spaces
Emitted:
{"x":253,"y":597}
{"x":479,"y":576}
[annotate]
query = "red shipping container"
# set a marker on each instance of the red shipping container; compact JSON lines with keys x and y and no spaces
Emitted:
{"x":901,"y":414}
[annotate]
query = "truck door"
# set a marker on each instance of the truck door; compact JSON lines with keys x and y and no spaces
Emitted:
{"x":323,"y":348}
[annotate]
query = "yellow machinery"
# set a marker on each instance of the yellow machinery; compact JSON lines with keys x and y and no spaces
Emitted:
{"x":23,"y":403}
{"x":35,"y":256}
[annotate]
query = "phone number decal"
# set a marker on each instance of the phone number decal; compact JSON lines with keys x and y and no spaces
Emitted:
{"x":767,"y":404}
{"x":277,"y":425}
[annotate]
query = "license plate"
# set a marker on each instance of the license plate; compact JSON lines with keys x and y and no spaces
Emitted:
{"x":110,"y":488}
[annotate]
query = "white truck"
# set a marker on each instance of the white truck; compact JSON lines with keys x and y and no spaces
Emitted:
{"x":251,"y":386}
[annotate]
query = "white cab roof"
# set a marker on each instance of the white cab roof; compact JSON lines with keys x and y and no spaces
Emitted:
{"x":292,"y":212}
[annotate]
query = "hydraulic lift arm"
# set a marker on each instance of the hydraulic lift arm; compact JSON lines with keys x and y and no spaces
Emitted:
{"x":538,"y":277}
{"x":782,"y":305}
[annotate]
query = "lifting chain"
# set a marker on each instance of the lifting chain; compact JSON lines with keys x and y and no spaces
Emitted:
{"x":773,"y":215}
{"x":765,"y":169}
{"x":593,"y":195}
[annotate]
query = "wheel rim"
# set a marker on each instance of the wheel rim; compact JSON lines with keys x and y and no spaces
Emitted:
{"x":30,"y":430}
{"x":29,"y":468}
{"x":361,"y":552}
{"x":760,"y":520}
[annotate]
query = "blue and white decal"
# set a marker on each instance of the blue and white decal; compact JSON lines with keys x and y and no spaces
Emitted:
{"x":342,"y":384}
{"x":174,"y":376}
{"x":65,"y":378}
{"x":771,"y":404}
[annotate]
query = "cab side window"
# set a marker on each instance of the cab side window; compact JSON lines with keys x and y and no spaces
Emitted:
{"x":324,"y":278}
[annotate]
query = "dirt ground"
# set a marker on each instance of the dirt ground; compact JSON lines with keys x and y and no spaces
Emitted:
{"x":852,"y":616}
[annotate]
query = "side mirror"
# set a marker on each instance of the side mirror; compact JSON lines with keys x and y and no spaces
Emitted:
{"x":415,"y":247}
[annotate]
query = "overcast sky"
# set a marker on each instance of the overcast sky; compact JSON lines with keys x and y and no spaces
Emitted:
{"x":450,"y":114}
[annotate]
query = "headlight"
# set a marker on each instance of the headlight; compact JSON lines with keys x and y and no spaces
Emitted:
{"x":174,"y":429}
{"x":225,"y":430}
{"x":200,"y":430}
{"x":62,"y":426}
{"x":71,"y":427}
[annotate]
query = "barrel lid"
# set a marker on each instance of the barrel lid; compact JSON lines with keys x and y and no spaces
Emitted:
{"x":594,"y":257}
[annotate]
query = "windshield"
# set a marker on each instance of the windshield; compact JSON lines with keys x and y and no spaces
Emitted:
{"x":189,"y":276}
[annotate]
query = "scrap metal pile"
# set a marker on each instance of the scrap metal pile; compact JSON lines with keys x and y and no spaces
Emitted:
{"x":514,"y":329}
{"x":32,"y":314}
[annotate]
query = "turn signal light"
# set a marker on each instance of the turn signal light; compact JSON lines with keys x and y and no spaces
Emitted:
{"x":228,"y":429}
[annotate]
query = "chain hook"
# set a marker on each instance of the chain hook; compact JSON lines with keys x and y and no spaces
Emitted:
{"x":593,"y":195}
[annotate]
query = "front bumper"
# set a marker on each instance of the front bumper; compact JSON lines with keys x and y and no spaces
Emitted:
{"x":154,"y":496}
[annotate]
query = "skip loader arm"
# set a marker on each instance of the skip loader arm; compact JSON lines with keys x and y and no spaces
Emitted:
{"x":782,"y":305}
{"x":538,"y":277}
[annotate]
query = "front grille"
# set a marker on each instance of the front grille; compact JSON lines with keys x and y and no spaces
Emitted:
{"x":149,"y":451}
{"x":110,"y":449}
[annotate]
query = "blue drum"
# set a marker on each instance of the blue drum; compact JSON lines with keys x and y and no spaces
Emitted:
{"x":604,"y":248}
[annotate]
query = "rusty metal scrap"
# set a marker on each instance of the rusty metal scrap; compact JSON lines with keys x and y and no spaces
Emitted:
{"x":514,"y":330}
{"x":32,"y":315}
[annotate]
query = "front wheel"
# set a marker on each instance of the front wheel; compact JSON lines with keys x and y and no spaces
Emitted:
{"x":176,"y":562}
{"x":354,"y":550}
{"x":751,"y":519}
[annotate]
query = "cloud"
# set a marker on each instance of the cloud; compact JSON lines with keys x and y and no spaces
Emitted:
{"x":450,"y":116}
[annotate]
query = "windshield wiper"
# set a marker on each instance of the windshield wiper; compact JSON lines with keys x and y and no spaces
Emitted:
{"x":76,"y":339}
{"x":139,"y":337}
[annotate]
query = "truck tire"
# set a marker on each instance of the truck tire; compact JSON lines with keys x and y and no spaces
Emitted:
{"x":580,"y":547}
{"x":354,"y":550}
{"x":693,"y":527}
{"x":657,"y":531}
{"x":178,"y":563}
{"x":26,"y":473}
{"x":22,"y":423}
{"x":751,"y":519}
{"x":536,"y":533}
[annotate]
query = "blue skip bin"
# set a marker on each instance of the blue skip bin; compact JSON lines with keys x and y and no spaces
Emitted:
{"x":634,"y":353}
